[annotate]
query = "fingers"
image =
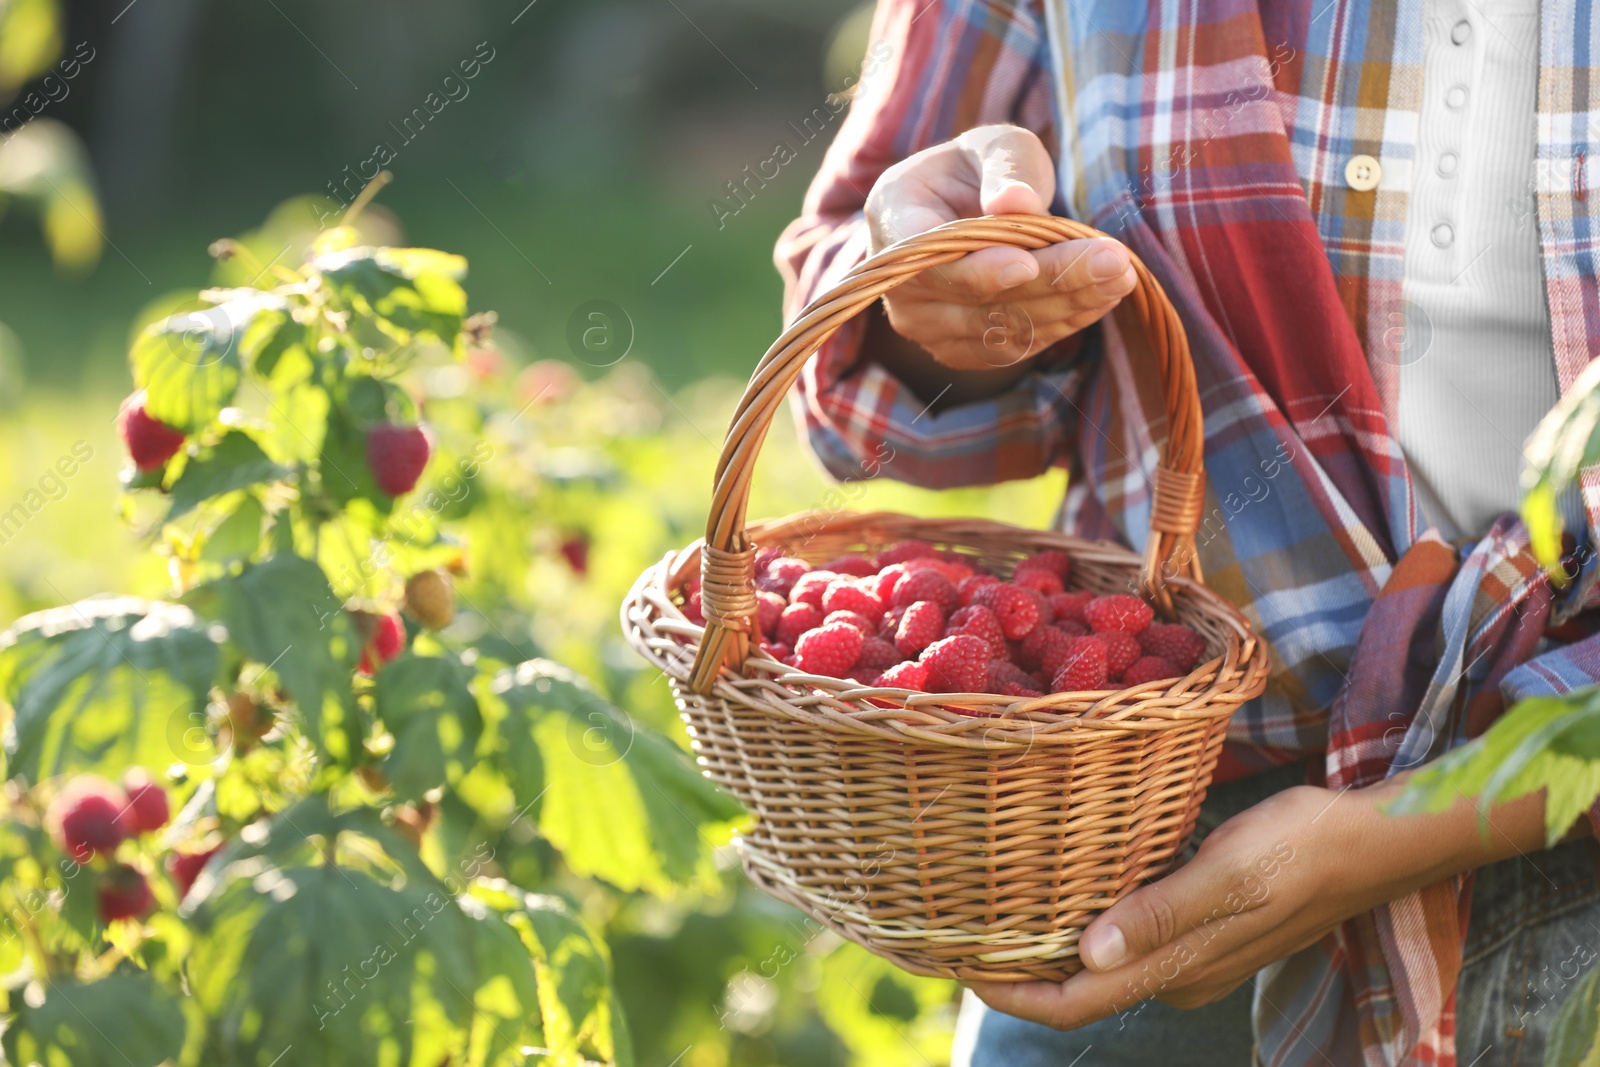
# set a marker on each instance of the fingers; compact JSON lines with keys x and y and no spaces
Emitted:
{"x":1015,"y":174}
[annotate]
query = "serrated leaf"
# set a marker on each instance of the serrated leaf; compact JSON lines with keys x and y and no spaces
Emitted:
{"x":1575,"y":1034}
{"x":1550,"y":743}
{"x":425,"y":702}
{"x":190,"y":363}
{"x":233,"y":463}
{"x":335,"y":964}
{"x":620,"y":801}
{"x":105,"y":684}
{"x":409,"y":291}
{"x":507,"y":997}
{"x":1565,"y":441}
{"x":282,"y":614}
{"x":124,"y":1020}
{"x":576,"y":1003}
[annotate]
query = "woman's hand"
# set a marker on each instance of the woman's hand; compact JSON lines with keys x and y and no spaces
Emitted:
{"x":996,"y":307}
{"x":1267,"y":883}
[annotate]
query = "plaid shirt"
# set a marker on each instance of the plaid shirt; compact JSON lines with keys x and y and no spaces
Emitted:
{"x":1212,"y":139}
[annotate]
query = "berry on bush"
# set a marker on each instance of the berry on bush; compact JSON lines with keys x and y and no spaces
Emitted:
{"x":921,"y":625}
{"x":431,"y":599}
{"x":387,"y":639}
{"x":574,"y":548}
{"x":1083,"y":666}
{"x":1121,"y":612}
{"x":956,"y":664}
{"x":150,"y":441}
{"x":396,"y":456}
{"x":1175,"y":643}
{"x":796,"y":619}
{"x":1149,"y":669}
{"x":147,"y":807}
{"x":830,"y":650}
{"x":84,"y":817}
{"x":185,"y":867}
{"x":124,"y":893}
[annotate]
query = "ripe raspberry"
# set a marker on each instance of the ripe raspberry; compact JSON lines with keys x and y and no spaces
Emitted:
{"x":926,"y":585}
{"x":846,"y":594}
{"x":1039,"y":580}
{"x":575,"y":550}
{"x":796,"y":620}
{"x":921,"y":625}
{"x":777,"y":649}
{"x":808,"y":589}
{"x":1083,"y":668}
{"x":124,"y":894}
{"x":884,"y":584}
{"x":856,"y":566}
{"x":1044,"y":648}
{"x":957,"y":569}
{"x":905,"y":675}
{"x":431,"y":599}
{"x":389,"y":637}
{"x":84,"y":817}
{"x":693,"y":610}
{"x":956,"y":664}
{"x":899,"y":553}
{"x":1000,"y":673}
{"x":1175,"y":643}
{"x":863,"y":675}
{"x":1016,"y":689}
{"x":1121,"y":650}
{"x":878,"y":653}
{"x":979,"y":621}
{"x":1018,"y":610}
{"x":1052,"y":560}
{"x":147,"y":807}
{"x":765,"y":556}
{"x":396,"y":456}
{"x":831,"y":650}
{"x":1122,"y":612}
{"x":1069,"y":607}
{"x":867,"y":627}
{"x":185,"y":867}
{"x":150,"y":441}
{"x":969,"y":586}
{"x":769,"y":609}
{"x":1149,"y":669}
{"x":889,"y":623}
{"x":1072,"y":628}
{"x":781,"y":574}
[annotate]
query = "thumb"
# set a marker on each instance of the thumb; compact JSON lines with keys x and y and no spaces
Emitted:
{"x":1137,"y":925}
{"x":1015,"y":173}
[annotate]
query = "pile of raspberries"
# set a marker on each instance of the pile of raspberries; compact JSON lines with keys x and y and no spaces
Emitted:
{"x":915,"y":617}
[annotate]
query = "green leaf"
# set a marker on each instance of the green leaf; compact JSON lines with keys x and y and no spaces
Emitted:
{"x":104,"y":684}
{"x":1549,"y":743}
{"x":233,"y":463}
{"x":619,"y":801}
{"x":885,"y":1016}
{"x":576,"y":1003}
{"x":282,"y":614}
{"x":1565,"y":441}
{"x":1575,"y":1034}
{"x":410,"y":291}
{"x":334,"y":964}
{"x":237,"y":536}
{"x":189,"y":363}
{"x":507,"y":998}
{"x":426,"y":704}
{"x":124,"y":1020}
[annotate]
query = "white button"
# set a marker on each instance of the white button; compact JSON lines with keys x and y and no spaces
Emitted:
{"x":1444,"y":235}
{"x":1456,"y":98}
{"x":1447,"y":165}
{"x":1461,"y":32}
{"x":1362,"y":173}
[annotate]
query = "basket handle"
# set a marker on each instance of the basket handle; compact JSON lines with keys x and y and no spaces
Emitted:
{"x":728,"y":556}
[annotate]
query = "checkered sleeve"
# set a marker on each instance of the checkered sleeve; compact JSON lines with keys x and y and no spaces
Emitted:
{"x":934,"y":69}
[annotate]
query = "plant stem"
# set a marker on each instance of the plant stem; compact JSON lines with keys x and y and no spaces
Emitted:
{"x":364,"y":197}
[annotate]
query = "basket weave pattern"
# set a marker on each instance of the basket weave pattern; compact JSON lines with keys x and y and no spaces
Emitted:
{"x":963,"y":845}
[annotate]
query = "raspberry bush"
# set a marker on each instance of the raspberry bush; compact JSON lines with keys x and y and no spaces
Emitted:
{"x":323,"y":797}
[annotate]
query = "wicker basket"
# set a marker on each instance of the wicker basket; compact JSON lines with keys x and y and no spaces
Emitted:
{"x":958,"y":845}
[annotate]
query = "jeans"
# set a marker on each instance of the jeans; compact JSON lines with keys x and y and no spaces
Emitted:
{"x":1535,"y":929}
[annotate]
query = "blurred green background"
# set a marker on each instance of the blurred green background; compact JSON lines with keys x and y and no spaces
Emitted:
{"x":580,"y":164}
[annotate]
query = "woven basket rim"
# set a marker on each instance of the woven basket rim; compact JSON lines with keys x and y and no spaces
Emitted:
{"x":1212,"y":689}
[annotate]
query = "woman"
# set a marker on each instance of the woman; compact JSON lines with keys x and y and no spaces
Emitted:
{"x":1375,"y":222}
